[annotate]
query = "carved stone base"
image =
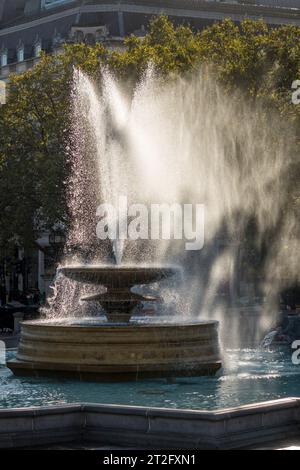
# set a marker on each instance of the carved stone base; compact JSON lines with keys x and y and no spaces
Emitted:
{"x":117,"y":352}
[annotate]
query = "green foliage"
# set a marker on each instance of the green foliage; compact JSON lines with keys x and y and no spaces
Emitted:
{"x":33,"y":130}
{"x":34,"y":124}
{"x":168,"y":49}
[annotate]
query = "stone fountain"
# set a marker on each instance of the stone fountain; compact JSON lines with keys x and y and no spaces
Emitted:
{"x":118,"y":301}
{"x":120,"y":348}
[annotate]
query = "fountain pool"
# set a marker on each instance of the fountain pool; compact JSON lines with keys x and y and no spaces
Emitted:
{"x":249,"y":375}
{"x":164,"y":150}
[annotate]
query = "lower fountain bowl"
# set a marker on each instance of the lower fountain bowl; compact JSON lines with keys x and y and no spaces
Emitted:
{"x":112,"y":352}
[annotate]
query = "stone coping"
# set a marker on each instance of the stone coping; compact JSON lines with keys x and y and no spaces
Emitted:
{"x":89,"y":325}
{"x":153,"y":428}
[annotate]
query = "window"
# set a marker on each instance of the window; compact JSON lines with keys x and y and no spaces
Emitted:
{"x":20,"y":52}
{"x":53,"y":3}
{"x":3,"y":57}
{"x":37,"y":47}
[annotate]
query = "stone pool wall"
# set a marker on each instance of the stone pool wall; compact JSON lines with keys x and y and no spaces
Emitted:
{"x":153,"y":428}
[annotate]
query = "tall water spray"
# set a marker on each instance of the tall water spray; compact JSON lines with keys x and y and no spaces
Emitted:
{"x":183,"y":142}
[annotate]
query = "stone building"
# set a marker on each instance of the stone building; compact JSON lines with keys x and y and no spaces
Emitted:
{"x":29,"y":26}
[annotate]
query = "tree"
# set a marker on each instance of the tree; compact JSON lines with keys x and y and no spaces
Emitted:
{"x":33,"y":133}
{"x":34,"y":123}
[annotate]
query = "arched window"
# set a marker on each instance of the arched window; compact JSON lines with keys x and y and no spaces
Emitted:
{"x":20,"y":52}
{"x":101,"y":33}
{"x":79,"y":36}
{"x":57,"y":39}
{"x":37,"y":47}
{"x":3,"y":57}
{"x":90,"y":39}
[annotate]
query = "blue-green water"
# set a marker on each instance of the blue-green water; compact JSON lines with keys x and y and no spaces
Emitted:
{"x":249,"y":376}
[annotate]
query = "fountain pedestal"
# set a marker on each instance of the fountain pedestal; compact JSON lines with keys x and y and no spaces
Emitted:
{"x":118,"y":302}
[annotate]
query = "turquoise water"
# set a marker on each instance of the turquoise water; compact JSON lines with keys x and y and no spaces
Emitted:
{"x":249,"y":376}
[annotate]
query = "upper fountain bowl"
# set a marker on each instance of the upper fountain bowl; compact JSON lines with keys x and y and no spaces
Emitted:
{"x":118,"y":276}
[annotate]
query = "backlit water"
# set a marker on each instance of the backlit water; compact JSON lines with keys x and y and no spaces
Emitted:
{"x":249,"y":375}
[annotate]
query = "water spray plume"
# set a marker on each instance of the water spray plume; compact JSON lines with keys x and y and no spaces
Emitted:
{"x":186,"y":141}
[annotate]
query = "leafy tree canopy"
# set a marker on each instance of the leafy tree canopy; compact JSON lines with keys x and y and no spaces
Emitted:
{"x":34,"y":123}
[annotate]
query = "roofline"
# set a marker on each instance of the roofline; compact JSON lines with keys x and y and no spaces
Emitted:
{"x":205,"y":11}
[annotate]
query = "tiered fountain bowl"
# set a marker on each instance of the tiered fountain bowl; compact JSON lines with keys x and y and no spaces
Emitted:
{"x":120,"y":348}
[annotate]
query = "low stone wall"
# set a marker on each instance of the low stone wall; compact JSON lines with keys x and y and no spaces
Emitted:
{"x":152,"y":428}
{"x":25,"y":427}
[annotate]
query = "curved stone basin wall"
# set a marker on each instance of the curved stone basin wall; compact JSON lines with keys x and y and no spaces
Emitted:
{"x":118,"y":352}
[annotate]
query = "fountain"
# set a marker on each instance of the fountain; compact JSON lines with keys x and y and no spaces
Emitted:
{"x":174,"y":143}
{"x":120,"y":348}
{"x":116,"y":342}
{"x":119,"y":302}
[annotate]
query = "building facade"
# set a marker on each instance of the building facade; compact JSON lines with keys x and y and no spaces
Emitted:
{"x":29,"y":26}
{"x":279,"y":3}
